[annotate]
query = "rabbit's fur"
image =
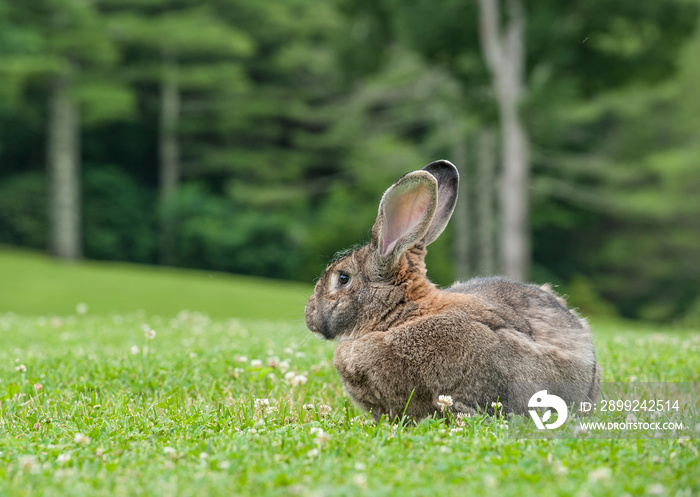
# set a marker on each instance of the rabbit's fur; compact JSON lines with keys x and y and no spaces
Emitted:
{"x":401,"y":337}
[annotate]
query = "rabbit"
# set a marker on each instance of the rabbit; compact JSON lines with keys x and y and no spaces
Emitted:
{"x":400,"y":337}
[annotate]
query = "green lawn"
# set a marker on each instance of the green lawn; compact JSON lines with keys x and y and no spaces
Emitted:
{"x":35,"y":284}
{"x":90,"y":406}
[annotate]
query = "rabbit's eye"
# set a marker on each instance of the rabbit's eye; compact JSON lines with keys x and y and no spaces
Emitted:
{"x":343,"y":278}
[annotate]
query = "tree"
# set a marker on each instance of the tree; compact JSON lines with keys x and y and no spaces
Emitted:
{"x":181,"y":48}
{"x":504,"y":53}
{"x":561,"y":50}
{"x":63,"y":159}
{"x":66,"y":50}
{"x":485,"y":180}
{"x":622,"y":196}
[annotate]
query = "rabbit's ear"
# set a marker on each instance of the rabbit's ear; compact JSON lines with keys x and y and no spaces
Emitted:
{"x":448,"y":183}
{"x":405,"y":212}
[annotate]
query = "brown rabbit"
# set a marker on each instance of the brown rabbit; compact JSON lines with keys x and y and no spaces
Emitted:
{"x":401,"y":337}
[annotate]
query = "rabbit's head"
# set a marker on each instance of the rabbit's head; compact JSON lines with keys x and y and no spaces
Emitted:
{"x":374,"y":286}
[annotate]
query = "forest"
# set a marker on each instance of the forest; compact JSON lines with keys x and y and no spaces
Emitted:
{"x":257,"y":137}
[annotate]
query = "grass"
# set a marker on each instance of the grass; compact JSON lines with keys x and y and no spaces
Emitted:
{"x":39,"y":285}
{"x":90,"y":406}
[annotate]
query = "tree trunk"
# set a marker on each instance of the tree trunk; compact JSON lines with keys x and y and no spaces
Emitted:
{"x":460,"y":222}
{"x":486,"y":201}
{"x":64,"y":169}
{"x":505,"y":56}
{"x":169,"y":156}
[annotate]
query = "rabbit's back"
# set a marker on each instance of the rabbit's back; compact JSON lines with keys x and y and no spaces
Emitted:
{"x":551,"y":343}
{"x":526,"y":307}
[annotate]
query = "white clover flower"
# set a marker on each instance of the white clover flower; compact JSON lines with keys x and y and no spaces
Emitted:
{"x":360,"y":480}
{"x":81,"y":439}
{"x":289,"y":376}
{"x":490,"y":481}
{"x":558,"y":468}
{"x":273,"y":362}
{"x":134,"y":349}
{"x":600,"y":474}
{"x":241,"y":358}
{"x":496,"y":405}
{"x":322,"y":439}
{"x":315,"y":430}
{"x":237,"y":372}
{"x":579,"y":430}
{"x":28,"y":464}
{"x":169,"y":451}
{"x":203,"y":456}
{"x":149,"y":334}
{"x":324,"y":410}
{"x":63,"y":458}
{"x":444,"y":401}
{"x":81,"y":308}
{"x":288,"y":351}
{"x":284,"y":366}
{"x":21,"y":368}
{"x":298,"y":380}
{"x":313,"y":453}
{"x":307,"y":407}
{"x":256,"y":364}
{"x":224,"y":465}
{"x":261,"y":403}
{"x":656,"y":489}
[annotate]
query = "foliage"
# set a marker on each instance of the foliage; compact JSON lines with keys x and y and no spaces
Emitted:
{"x":628,"y":213}
{"x":23,"y":210}
{"x":119,"y":219}
{"x":222,"y":234}
{"x":117,"y":225}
